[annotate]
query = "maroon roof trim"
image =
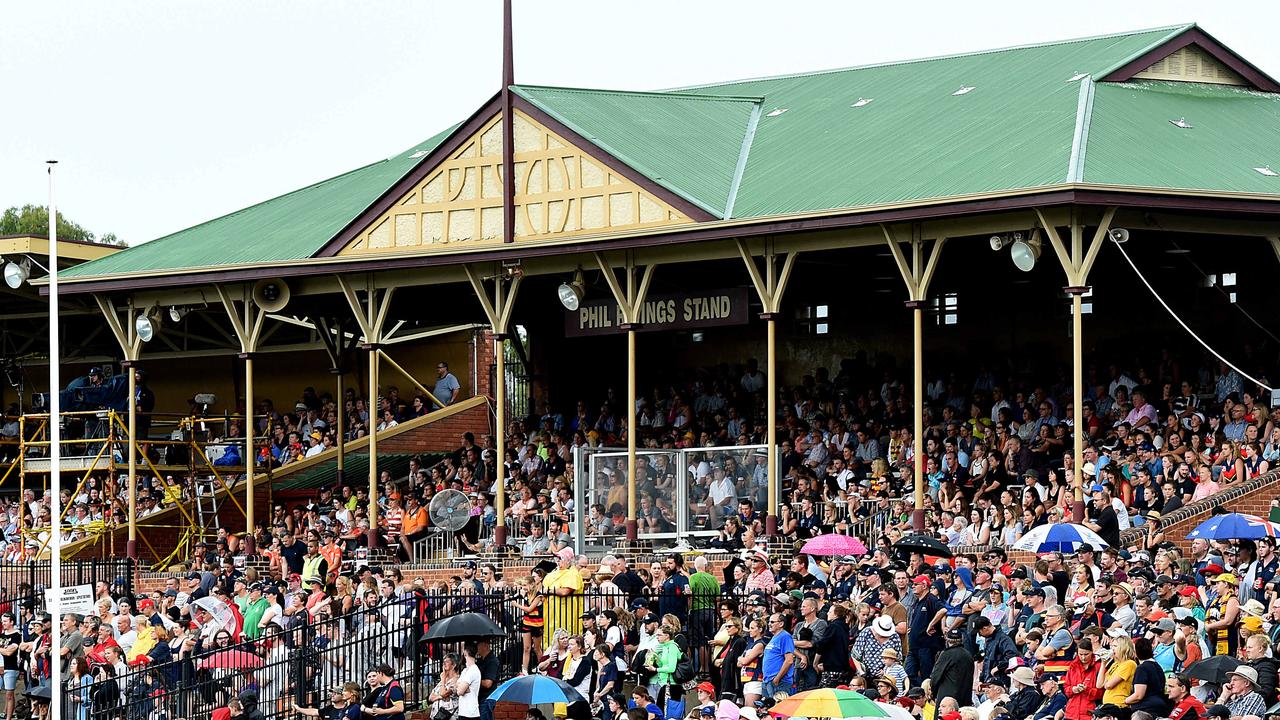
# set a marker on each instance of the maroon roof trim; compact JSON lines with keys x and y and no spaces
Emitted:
{"x":1206,"y":42}
{"x":693,"y":211}
{"x":413,"y":177}
{"x":696,"y":233}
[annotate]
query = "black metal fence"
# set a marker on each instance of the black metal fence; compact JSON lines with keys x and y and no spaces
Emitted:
{"x":28,"y":580}
{"x":298,"y":659}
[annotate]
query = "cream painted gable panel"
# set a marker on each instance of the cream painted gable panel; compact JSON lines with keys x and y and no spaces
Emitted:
{"x":561,"y":191}
{"x":1191,"y":64}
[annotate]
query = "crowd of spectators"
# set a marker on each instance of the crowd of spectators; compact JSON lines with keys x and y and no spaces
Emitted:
{"x":1106,"y":632}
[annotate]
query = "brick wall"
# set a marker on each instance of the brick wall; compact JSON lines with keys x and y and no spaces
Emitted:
{"x":441,"y":435}
{"x":1253,"y":498}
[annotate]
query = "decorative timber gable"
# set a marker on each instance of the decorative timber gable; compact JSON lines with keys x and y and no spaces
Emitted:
{"x":561,"y":191}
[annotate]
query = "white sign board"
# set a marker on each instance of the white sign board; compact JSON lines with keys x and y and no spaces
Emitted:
{"x":75,"y":599}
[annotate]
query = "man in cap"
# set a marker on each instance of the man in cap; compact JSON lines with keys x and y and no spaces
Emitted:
{"x":760,"y":576}
{"x":923,"y":631}
{"x":1240,"y":695}
{"x":563,"y":588}
{"x":952,"y":675}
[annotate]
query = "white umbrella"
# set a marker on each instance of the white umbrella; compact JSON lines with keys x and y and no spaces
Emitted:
{"x":1058,"y":537}
{"x":223,"y":618}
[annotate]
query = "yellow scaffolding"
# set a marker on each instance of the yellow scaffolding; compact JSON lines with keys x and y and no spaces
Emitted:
{"x":105,"y":457}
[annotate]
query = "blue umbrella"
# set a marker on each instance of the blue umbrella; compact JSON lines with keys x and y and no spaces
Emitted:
{"x":1059,"y":537}
{"x":536,"y":690}
{"x":1235,"y":526}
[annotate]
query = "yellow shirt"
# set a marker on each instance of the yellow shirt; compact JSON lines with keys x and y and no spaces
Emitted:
{"x":1117,"y":694}
{"x":562,"y":611}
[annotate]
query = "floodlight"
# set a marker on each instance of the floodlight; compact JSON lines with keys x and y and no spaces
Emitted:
{"x":16,"y":272}
{"x":999,"y":242}
{"x":1119,"y":236}
{"x":1025,"y":252}
{"x":145,"y":327}
{"x":177,"y":312}
{"x":571,"y":293}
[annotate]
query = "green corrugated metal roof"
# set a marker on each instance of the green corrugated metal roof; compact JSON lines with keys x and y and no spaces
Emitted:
{"x":721,"y":146}
{"x":915,"y":139}
{"x":688,"y":143}
{"x":1132,"y":140}
{"x":290,"y":227}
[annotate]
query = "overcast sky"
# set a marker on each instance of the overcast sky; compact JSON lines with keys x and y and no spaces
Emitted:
{"x":167,"y":114}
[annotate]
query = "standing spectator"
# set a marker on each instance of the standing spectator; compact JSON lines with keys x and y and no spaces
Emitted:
{"x":953,"y":671}
{"x":1081,"y":682}
{"x":563,"y":587}
{"x":779,"y":660}
{"x":447,"y":386}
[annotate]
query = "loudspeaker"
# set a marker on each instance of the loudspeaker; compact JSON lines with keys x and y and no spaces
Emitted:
{"x":271,"y":295}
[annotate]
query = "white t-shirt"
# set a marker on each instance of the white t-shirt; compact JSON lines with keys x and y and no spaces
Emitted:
{"x":469,"y":702}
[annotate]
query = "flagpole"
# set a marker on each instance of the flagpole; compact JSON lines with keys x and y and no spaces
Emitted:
{"x":55,"y":461}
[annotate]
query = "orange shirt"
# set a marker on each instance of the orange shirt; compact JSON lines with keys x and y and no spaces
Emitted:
{"x":332,"y":555}
{"x":415,"y":521}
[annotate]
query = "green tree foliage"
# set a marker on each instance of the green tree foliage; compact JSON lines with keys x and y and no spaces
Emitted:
{"x":34,"y":220}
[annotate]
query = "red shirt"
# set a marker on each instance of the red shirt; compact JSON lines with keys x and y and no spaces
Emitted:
{"x":1187,"y":703}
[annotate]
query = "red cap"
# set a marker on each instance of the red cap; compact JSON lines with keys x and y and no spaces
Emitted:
{"x":146,"y":604}
{"x":1212,"y":569}
{"x":1188,"y":591}
{"x":920,"y":579}
{"x":707,"y":688}
{"x":953,"y":715}
{"x":1157,"y":615}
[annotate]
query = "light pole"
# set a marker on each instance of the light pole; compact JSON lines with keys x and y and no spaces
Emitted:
{"x":55,"y":453}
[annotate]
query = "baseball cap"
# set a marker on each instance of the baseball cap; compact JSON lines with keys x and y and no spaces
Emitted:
{"x":707,"y":687}
{"x":920,"y":580}
{"x":1164,"y":625}
{"x":1034,"y":592}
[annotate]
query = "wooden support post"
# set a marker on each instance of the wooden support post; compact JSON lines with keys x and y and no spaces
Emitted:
{"x":1076,"y":263}
{"x":770,"y":288}
{"x":630,"y":299}
{"x":917,"y":275}
{"x":131,"y":345}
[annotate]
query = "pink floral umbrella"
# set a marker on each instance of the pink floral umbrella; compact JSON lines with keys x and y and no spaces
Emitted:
{"x":834,"y":544}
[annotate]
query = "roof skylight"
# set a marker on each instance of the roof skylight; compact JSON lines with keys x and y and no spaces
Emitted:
{"x":1266,"y":170}
{"x":1077,"y":77}
{"x":964,"y":90}
{"x":420,"y":153}
{"x":1182,"y":123}
{"x":863,"y":102}
{"x":776,"y":112}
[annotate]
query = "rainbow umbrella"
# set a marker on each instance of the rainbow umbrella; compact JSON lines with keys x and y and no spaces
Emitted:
{"x":834,"y":544}
{"x":829,"y":703}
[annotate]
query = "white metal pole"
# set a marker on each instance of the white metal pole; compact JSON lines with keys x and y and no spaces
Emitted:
{"x":55,"y":459}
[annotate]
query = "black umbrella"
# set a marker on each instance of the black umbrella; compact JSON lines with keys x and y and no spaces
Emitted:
{"x":923,"y":544}
{"x":464,"y":626}
{"x":1213,"y":669}
{"x":40,"y":692}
